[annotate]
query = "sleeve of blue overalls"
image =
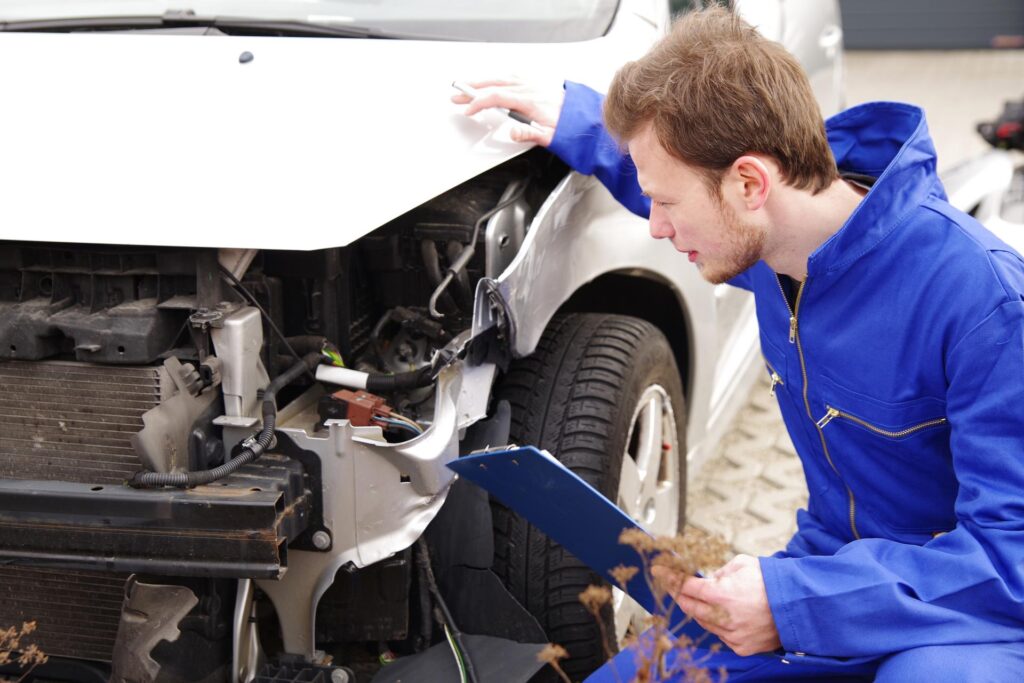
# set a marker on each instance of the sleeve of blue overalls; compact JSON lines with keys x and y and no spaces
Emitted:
{"x":876,"y":596}
{"x":582,"y":142}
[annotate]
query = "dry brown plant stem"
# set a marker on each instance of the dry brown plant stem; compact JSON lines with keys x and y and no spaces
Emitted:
{"x":29,"y":656}
{"x":683,"y":555}
{"x":551,"y":655}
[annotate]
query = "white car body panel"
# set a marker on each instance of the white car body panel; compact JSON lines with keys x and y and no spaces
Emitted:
{"x":169,"y":140}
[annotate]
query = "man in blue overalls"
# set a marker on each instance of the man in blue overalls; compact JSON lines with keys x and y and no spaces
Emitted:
{"x":893,"y":329}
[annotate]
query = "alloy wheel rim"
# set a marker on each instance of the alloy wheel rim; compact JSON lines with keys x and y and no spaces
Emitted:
{"x":649,"y":486}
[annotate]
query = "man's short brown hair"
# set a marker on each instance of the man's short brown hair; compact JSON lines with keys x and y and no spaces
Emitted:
{"x":714,"y":89}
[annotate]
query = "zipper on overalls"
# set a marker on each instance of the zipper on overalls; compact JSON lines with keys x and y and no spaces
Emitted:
{"x":794,"y":338}
{"x":776,"y":379}
{"x":833,"y":413}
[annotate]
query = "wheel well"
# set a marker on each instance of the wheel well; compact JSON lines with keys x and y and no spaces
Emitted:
{"x":642,"y":296}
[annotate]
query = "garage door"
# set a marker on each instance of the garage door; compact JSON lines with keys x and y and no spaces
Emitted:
{"x":932,"y":24}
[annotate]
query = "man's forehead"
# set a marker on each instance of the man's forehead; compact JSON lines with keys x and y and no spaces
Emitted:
{"x":656,"y":170}
{"x":643,"y":181}
{"x":645,"y":189}
{"x":641,"y":141}
{"x":639,"y":149}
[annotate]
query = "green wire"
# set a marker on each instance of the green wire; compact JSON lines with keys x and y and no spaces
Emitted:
{"x":463,"y":676}
{"x":332,"y":354}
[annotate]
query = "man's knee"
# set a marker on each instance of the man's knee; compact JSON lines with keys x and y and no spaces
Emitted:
{"x":982,"y":663}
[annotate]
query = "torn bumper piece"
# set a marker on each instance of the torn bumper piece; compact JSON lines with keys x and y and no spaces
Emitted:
{"x":239,"y":527}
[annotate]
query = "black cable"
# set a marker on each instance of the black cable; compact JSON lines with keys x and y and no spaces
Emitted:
{"x":403,"y":381}
{"x":266,"y":316}
{"x":423,"y":596}
{"x":262,"y":441}
{"x":424,"y":562}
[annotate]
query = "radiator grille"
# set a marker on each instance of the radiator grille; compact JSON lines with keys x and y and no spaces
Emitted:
{"x":76,"y":612}
{"x":72,"y":421}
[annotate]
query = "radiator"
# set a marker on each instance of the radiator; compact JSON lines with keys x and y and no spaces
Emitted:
{"x":72,"y":421}
{"x":76,"y":612}
{"x":69,"y":422}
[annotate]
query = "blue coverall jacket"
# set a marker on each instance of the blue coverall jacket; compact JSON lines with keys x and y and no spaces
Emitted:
{"x":899,"y":371}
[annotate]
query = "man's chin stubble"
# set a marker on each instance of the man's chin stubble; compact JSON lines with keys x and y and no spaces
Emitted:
{"x":752,"y":245}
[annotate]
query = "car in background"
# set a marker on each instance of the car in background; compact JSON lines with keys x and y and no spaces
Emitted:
{"x":260,"y":281}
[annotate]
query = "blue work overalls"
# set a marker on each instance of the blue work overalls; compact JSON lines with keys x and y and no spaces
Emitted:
{"x":899,"y":370}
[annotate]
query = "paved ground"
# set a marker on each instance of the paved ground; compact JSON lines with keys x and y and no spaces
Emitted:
{"x":750,"y":490}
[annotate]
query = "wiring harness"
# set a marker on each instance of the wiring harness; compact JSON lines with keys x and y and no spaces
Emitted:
{"x":363,"y":409}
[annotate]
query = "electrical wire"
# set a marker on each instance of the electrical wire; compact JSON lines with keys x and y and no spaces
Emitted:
{"x":398,"y":423}
{"x":266,"y":316}
{"x":331,"y":353}
{"x":443,"y":614}
{"x":255,"y":446}
{"x":406,"y":424}
{"x":409,"y":421}
{"x":459,"y":661}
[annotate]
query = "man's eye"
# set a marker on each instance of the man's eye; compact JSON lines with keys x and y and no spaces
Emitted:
{"x":663,"y":204}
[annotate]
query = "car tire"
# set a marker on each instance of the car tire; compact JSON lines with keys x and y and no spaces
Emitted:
{"x":578,"y":396}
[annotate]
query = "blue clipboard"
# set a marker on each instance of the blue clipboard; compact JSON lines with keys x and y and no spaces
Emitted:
{"x":580,"y":519}
{"x":569,"y":510}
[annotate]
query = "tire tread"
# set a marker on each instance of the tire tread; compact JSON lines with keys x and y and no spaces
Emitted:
{"x":565,"y":398}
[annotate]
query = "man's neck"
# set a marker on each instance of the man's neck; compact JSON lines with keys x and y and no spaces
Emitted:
{"x":802,"y":222}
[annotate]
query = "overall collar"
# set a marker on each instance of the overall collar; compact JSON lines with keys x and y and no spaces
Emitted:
{"x":888,"y":141}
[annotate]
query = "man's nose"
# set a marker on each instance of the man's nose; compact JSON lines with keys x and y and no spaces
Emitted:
{"x":659,"y":224}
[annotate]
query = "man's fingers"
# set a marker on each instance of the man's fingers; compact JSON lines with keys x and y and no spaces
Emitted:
{"x":708,"y":626}
{"x":705,"y":614}
{"x":697,"y":588}
{"x":500,"y":98}
{"x":528,"y":134}
{"x":495,"y":83}
{"x":732,"y":645}
{"x":463,"y":98}
{"x":731,"y":567}
{"x":539,"y":110}
{"x":508,"y":83}
{"x":541,"y":135}
{"x":689,"y":592}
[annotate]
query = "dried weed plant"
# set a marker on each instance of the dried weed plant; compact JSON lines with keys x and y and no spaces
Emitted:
{"x":552,"y":655}
{"x":27,"y":656}
{"x":693,"y":551}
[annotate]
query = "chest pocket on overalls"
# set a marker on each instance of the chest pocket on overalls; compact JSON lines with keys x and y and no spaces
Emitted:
{"x":895,"y":457}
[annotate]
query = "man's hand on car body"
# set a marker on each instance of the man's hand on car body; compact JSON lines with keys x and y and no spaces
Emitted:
{"x":541,"y":106}
{"x":732,"y":603}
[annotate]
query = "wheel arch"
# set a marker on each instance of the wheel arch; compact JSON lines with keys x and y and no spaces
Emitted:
{"x":647,"y":296}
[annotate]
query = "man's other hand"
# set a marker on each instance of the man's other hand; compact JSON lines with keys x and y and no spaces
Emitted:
{"x":732,"y":603}
{"x":541,"y":107}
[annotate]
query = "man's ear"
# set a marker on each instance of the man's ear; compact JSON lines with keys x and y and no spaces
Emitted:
{"x":750,"y":181}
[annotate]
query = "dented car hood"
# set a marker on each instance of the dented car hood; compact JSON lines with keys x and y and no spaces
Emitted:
{"x":156,"y":139}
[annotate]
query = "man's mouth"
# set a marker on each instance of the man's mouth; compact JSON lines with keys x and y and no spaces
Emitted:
{"x":693,"y":256}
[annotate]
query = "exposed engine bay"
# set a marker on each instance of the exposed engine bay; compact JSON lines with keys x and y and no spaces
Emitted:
{"x":251,"y":436}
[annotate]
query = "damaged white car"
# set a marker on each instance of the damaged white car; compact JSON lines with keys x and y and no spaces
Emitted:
{"x":260,"y":281}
